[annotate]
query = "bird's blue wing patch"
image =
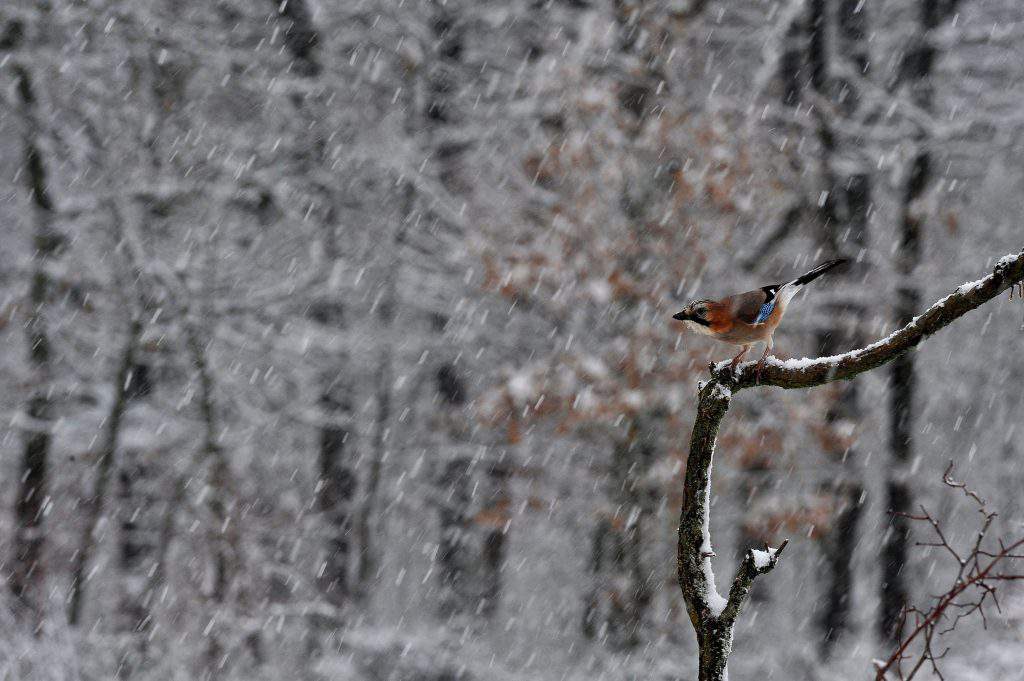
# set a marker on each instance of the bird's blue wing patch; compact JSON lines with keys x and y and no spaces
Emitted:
{"x":766,"y":310}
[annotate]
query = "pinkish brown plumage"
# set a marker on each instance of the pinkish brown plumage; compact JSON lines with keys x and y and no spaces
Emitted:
{"x":748,"y":318}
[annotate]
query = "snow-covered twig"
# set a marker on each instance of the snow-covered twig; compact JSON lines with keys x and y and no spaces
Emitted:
{"x":808,"y":373}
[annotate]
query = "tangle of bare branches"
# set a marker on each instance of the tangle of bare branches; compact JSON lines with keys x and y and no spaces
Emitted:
{"x":980,"y":568}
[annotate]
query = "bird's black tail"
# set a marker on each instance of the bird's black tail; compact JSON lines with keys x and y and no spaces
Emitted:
{"x":816,"y":272}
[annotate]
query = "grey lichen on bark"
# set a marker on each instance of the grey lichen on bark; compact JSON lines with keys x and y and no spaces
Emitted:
{"x":712,"y":615}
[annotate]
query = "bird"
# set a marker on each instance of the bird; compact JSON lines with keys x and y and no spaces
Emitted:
{"x":748,"y":318}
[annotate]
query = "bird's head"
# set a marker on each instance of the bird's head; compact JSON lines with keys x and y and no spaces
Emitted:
{"x":695,"y":316}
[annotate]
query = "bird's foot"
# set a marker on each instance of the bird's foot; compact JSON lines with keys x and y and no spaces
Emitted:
{"x":760,"y":368}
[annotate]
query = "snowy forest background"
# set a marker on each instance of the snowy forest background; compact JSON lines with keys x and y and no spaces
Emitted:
{"x":337,"y":340}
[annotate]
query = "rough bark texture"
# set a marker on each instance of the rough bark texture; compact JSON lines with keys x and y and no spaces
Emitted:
{"x":712,"y":622}
{"x":714,"y":617}
{"x":794,"y":374}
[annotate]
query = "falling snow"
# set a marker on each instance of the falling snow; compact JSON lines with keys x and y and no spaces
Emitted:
{"x":337,"y":337}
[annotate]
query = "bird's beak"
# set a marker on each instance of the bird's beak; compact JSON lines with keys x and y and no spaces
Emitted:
{"x":681,"y":316}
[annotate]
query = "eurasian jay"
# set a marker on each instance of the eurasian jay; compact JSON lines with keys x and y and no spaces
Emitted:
{"x":748,"y":318}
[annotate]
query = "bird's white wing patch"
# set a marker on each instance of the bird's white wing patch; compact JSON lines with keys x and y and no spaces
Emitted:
{"x":787,"y":292}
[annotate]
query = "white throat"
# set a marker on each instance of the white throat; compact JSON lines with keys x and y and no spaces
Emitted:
{"x":697,"y":328}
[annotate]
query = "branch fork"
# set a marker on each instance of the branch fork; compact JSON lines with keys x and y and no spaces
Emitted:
{"x":713,"y":616}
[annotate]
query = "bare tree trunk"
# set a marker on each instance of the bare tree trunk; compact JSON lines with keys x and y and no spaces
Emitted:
{"x":593,"y":619}
{"x":755,"y":483}
{"x":843,"y":223}
{"x":300,"y":36}
{"x":337,"y":484}
{"x":219,"y":531}
{"x":453,"y":555}
{"x":147,"y":530}
{"x":136,"y":557}
{"x":27,"y":575}
{"x":105,"y":461}
{"x":365,"y":521}
{"x":386,"y":310}
{"x":456,"y":559}
{"x":496,"y":510}
{"x":844,"y":486}
{"x":915,"y":73}
{"x":334,"y":501}
{"x":622,"y":591}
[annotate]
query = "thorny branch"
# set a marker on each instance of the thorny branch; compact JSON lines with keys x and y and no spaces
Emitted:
{"x":973,"y":587}
{"x":714,"y":616}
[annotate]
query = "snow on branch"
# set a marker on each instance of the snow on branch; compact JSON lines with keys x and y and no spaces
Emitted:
{"x":808,"y":373}
{"x":712,"y":615}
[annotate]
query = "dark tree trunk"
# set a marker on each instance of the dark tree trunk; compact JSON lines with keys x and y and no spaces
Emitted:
{"x":334,"y":500}
{"x":300,"y":36}
{"x":842,"y":215}
{"x":221,"y":530}
{"x":457,"y":559}
{"x":495,"y":515}
{"x":365,"y":522}
{"x":915,"y":74}
{"x":593,"y":620}
{"x":839,"y":545}
{"x":453,"y":555}
{"x":386,"y":311}
{"x":844,"y":488}
{"x":27,"y":574}
{"x":94,"y":504}
{"x":442,"y":76}
{"x":336,"y":486}
{"x":140,"y":530}
{"x":618,"y":604}
{"x":755,"y":477}
{"x":793,"y":61}
{"x":442,"y":110}
{"x":842,"y":212}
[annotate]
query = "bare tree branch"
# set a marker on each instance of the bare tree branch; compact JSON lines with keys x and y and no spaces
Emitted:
{"x":712,"y":615}
{"x":973,"y":586}
{"x":804,"y":373}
